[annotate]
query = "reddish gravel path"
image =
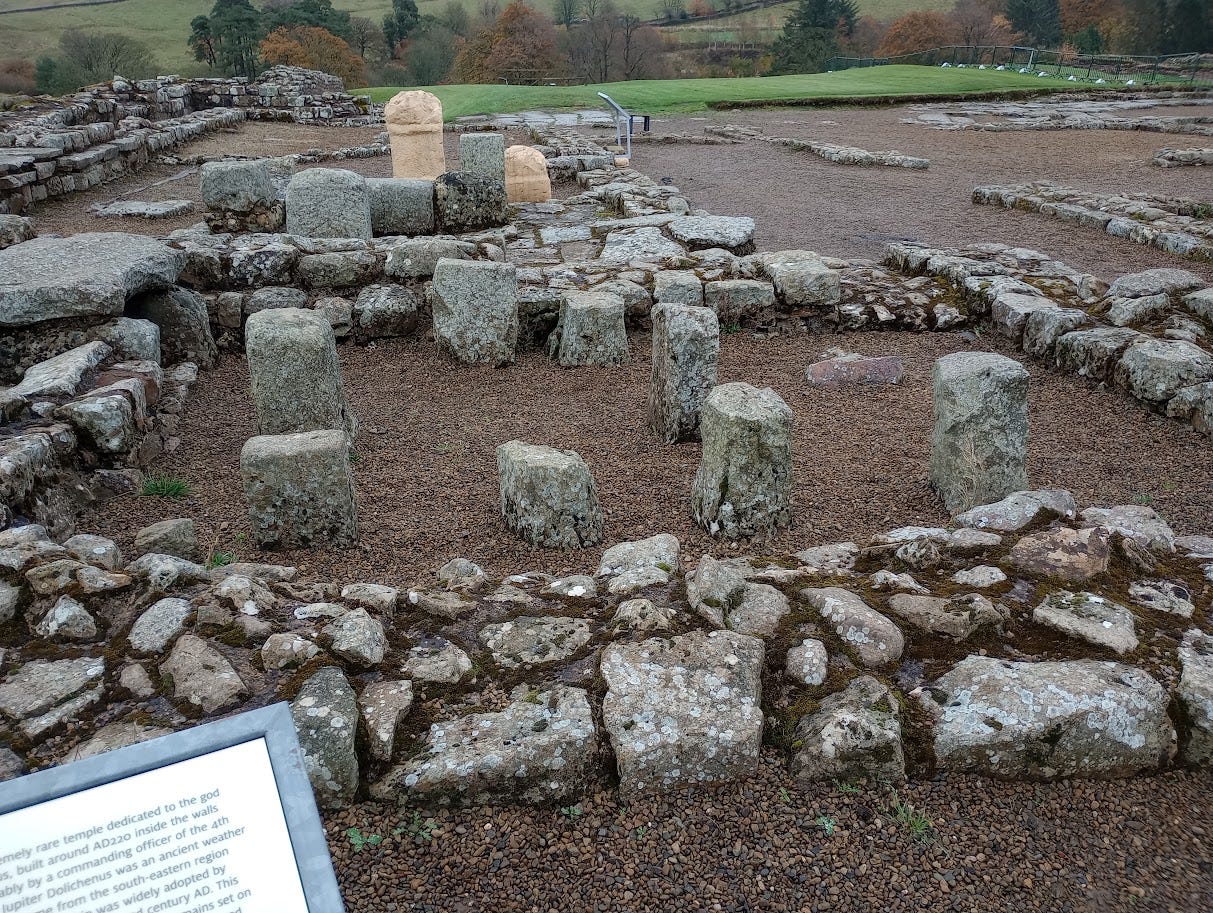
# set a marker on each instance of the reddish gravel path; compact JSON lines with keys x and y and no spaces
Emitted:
{"x":762,"y":847}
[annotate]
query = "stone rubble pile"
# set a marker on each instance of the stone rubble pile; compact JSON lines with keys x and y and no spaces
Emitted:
{"x":1183,"y":227}
{"x":1026,"y":658}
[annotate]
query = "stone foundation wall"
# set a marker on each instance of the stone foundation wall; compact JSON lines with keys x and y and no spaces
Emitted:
{"x":103,"y":132}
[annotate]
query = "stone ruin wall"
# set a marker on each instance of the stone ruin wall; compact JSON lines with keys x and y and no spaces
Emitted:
{"x":52,"y":148}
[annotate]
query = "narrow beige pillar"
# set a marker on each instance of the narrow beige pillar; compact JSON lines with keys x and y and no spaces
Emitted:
{"x":526,"y":175}
{"x":414,"y":126}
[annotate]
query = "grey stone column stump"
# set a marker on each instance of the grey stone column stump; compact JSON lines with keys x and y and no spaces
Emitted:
{"x":328,"y":203}
{"x":686,"y":343}
{"x":980,"y":443}
{"x":294,"y":372}
{"x":482,"y":154}
{"x":400,"y":206}
{"x":590,"y":330}
{"x":240,"y":196}
{"x":548,"y":496}
{"x":744,"y":484}
{"x":475,"y":306}
{"x":298,"y":489}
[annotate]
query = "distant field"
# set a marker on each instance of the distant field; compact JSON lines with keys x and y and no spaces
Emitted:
{"x":164,"y":24}
{"x":658,"y":96}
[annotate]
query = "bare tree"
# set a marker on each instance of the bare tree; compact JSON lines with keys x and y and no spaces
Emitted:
{"x":566,"y":11}
{"x":365,"y":35}
{"x":640,"y":49}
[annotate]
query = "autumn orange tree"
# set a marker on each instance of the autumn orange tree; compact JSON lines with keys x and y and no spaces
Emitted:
{"x":520,"y":47}
{"x":314,"y":48}
{"x":918,"y":31}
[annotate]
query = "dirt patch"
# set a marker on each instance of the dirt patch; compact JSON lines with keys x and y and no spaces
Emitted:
{"x":426,"y":476}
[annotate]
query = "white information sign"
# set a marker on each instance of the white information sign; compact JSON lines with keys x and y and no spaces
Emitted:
{"x":203,"y":835}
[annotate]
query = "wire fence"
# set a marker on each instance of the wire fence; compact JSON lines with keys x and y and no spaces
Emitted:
{"x":1103,"y":69}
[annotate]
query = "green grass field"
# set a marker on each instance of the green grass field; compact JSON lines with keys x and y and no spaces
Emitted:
{"x":676,"y":95}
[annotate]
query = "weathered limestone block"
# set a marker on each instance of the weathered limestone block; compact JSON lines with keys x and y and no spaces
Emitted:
{"x":201,"y":676}
{"x":979,"y":445}
{"x":1155,"y":370}
{"x":808,"y":662}
{"x":805,"y":283}
{"x":414,"y":126}
{"x":1048,"y":720}
{"x":542,"y":749}
{"x":106,"y":424}
{"x":475,"y":306}
{"x":325,"y":713}
{"x":633,"y":566}
{"x":683,"y":711}
{"x":733,"y":233}
{"x":856,"y":734}
{"x":1044,"y":327}
{"x":299,"y":490}
{"x":874,"y":638}
{"x":743,"y":487}
{"x":676,"y":286}
{"x":529,"y":641}
{"x":336,"y":269}
{"x":686,"y":344}
{"x":526,"y":175}
{"x":385,"y":310}
{"x":133,"y":339}
{"x":741,"y":301}
{"x":1194,"y":698}
{"x":400,"y":206}
{"x":852,"y":369}
{"x":177,"y":537}
{"x":418,"y":257}
{"x":1089,"y":617}
{"x":1075,"y":555}
{"x":328,"y":203}
{"x":590,"y":330}
{"x":384,"y":706}
{"x":1019,"y":510}
{"x":469,"y":202}
{"x":482,"y":154}
{"x":548,"y":496}
{"x":1093,"y":353}
{"x":85,"y":275}
{"x":185,"y":328}
{"x":241,"y":196}
{"x":294,"y":373}
{"x":1194,"y":405}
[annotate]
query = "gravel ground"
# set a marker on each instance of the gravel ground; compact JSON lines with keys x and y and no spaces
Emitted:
{"x":426,"y":478}
{"x":762,"y":845}
{"x":848,"y":211}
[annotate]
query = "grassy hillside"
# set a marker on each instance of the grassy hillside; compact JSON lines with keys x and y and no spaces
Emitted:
{"x":657,"y":96}
{"x":163,"y":25}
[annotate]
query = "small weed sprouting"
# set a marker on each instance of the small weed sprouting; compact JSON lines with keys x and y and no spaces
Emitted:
{"x":784,"y":796}
{"x":641,"y":832}
{"x":905,"y":814}
{"x":827,"y":824}
{"x":220,"y":559}
{"x":354,"y":457}
{"x":849,"y":788}
{"x":730,"y":328}
{"x":360,"y":841}
{"x":165,"y":487}
{"x":572,"y":812}
{"x":1143,"y":498}
{"x":417,"y":828}
{"x":532,"y":696}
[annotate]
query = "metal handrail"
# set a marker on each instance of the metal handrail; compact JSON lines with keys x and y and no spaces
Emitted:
{"x":623,"y":123}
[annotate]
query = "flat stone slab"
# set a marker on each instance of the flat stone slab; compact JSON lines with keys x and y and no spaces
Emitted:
{"x":1048,"y":720}
{"x":854,"y":370}
{"x":1089,"y":617}
{"x":540,"y":749}
{"x":529,"y":641}
{"x":85,"y":275}
{"x":735,"y":233}
{"x":874,"y":638}
{"x":162,"y":209}
{"x":684,"y":711}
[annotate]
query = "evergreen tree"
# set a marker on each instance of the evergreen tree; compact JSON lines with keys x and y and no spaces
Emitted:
{"x":1038,"y":20}
{"x":1189,"y":27}
{"x":317,"y":13}
{"x":229,"y":37}
{"x":810,"y":36}
{"x":399,"y":23}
